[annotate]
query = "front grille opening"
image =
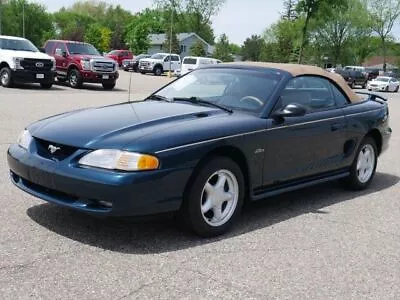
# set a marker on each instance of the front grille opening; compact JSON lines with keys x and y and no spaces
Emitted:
{"x":84,"y":204}
{"x":60,"y":152}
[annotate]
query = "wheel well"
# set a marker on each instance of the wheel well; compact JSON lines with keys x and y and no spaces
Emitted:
{"x":72,"y":67}
{"x":234,"y":154}
{"x":376,"y":135}
{"x":3,"y":65}
{"x":158,"y":66}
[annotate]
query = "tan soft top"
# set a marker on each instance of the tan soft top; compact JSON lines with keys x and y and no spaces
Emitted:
{"x":298,"y":70}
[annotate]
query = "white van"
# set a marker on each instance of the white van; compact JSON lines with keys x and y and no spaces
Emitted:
{"x":190,"y":63}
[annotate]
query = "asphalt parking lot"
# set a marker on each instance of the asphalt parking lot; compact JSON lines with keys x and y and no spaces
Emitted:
{"x":322,"y":242}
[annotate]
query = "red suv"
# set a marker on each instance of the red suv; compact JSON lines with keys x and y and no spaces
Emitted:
{"x":120,"y":55}
{"x":78,"y":62}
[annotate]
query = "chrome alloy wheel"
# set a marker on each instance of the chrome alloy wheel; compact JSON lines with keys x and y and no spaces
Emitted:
{"x":219,"y":198}
{"x":365,"y":163}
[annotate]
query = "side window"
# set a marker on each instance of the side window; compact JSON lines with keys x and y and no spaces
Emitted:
{"x":60,"y":48}
{"x":49,"y":47}
{"x":166,"y":59}
{"x":175,"y":58}
{"x":310,"y":91}
{"x":341,"y":99}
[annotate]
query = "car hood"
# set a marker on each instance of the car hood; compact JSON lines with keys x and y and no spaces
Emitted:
{"x":379,"y":82}
{"x":26,"y":54}
{"x":85,"y":56}
{"x":151,"y":60}
{"x":118,"y":125}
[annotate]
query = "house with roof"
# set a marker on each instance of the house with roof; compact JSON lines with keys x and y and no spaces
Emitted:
{"x":186,"y":41}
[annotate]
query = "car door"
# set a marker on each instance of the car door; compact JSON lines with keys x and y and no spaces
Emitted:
{"x":307,"y":145}
{"x":176,"y":62}
{"x":61,"y":61}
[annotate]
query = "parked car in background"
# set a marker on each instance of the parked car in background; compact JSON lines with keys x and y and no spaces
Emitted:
{"x":384,"y":83}
{"x":133,"y":64}
{"x":120,"y":55}
{"x":205,"y":144}
{"x":372,"y":73}
{"x":353,"y":78}
{"x":355,"y":68}
{"x":21,"y":61}
{"x":78,"y":62}
{"x":159,"y":63}
{"x":190,"y":63}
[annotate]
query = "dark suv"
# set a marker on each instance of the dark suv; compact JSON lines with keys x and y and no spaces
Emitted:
{"x":353,"y":78}
{"x":78,"y":62}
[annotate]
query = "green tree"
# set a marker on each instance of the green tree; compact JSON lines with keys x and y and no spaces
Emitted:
{"x":253,"y":48}
{"x":99,"y":36}
{"x":338,"y":31}
{"x":235,"y":49}
{"x":308,"y":9}
{"x":384,"y":14}
{"x":38,"y":22}
{"x":138,"y":38}
{"x":289,"y":12}
{"x":222,"y":49}
{"x":198,"y":49}
{"x":72,"y":25}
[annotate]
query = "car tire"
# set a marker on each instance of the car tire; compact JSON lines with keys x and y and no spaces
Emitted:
{"x":364,"y":85}
{"x":75,"y":79}
{"x":108,"y":86}
{"x":353,"y":85}
{"x":46,"y":86}
{"x":387,"y":89}
{"x":363,"y":169}
{"x":225,"y":182}
{"x":158,"y":71}
{"x":6,"y":79}
{"x":396,"y":90}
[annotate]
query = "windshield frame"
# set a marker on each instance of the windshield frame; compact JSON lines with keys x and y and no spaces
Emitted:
{"x":382,"y":79}
{"x":33,"y":48}
{"x":69,"y":44}
{"x":269,"y":99}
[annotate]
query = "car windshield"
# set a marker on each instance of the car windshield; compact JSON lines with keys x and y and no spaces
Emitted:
{"x":158,"y":56}
{"x":17,"y":45}
{"x":114,"y":52}
{"x":237,"y":89}
{"x":383,"y":79}
{"x":80,"y":48}
{"x":140,"y":56}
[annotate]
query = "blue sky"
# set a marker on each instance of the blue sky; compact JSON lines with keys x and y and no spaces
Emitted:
{"x":238,"y":18}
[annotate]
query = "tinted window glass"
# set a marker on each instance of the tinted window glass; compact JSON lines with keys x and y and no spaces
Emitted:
{"x":312,"y":92}
{"x":340,"y":98}
{"x":81,"y":48}
{"x":17,"y":45}
{"x":49,"y":47}
{"x":190,"y":61}
{"x":175,"y":58}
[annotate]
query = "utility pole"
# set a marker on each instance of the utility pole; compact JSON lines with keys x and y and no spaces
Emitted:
{"x":1,"y":13}
{"x":23,"y":19}
{"x":170,"y":40}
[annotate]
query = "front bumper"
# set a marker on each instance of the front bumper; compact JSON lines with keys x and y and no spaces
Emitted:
{"x":377,"y":88}
{"x":87,"y":189}
{"x":93,"y":77}
{"x":27,"y":76}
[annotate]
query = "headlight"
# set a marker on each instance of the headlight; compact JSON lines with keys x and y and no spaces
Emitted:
{"x":17,"y":63}
{"x":85,"y":64}
{"x":24,"y":139}
{"x":53,"y":68}
{"x":119,"y":160}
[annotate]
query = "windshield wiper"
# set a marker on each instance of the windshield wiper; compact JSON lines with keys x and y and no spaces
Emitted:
{"x":197,"y":100}
{"x":158,"y":97}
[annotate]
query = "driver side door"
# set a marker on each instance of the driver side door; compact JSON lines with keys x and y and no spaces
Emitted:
{"x":302,"y":146}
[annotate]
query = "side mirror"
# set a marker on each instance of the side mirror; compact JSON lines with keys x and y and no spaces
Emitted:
{"x":42,"y":50}
{"x":290,"y":110}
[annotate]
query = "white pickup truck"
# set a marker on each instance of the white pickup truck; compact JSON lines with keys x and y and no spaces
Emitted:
{"x":21,"y":61}
{"x":159,"y":63}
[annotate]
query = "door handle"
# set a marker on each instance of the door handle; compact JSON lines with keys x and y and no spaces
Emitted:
{"x":337,"y":126}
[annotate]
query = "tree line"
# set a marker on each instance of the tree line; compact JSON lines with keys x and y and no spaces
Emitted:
{"x":308,"y":31}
